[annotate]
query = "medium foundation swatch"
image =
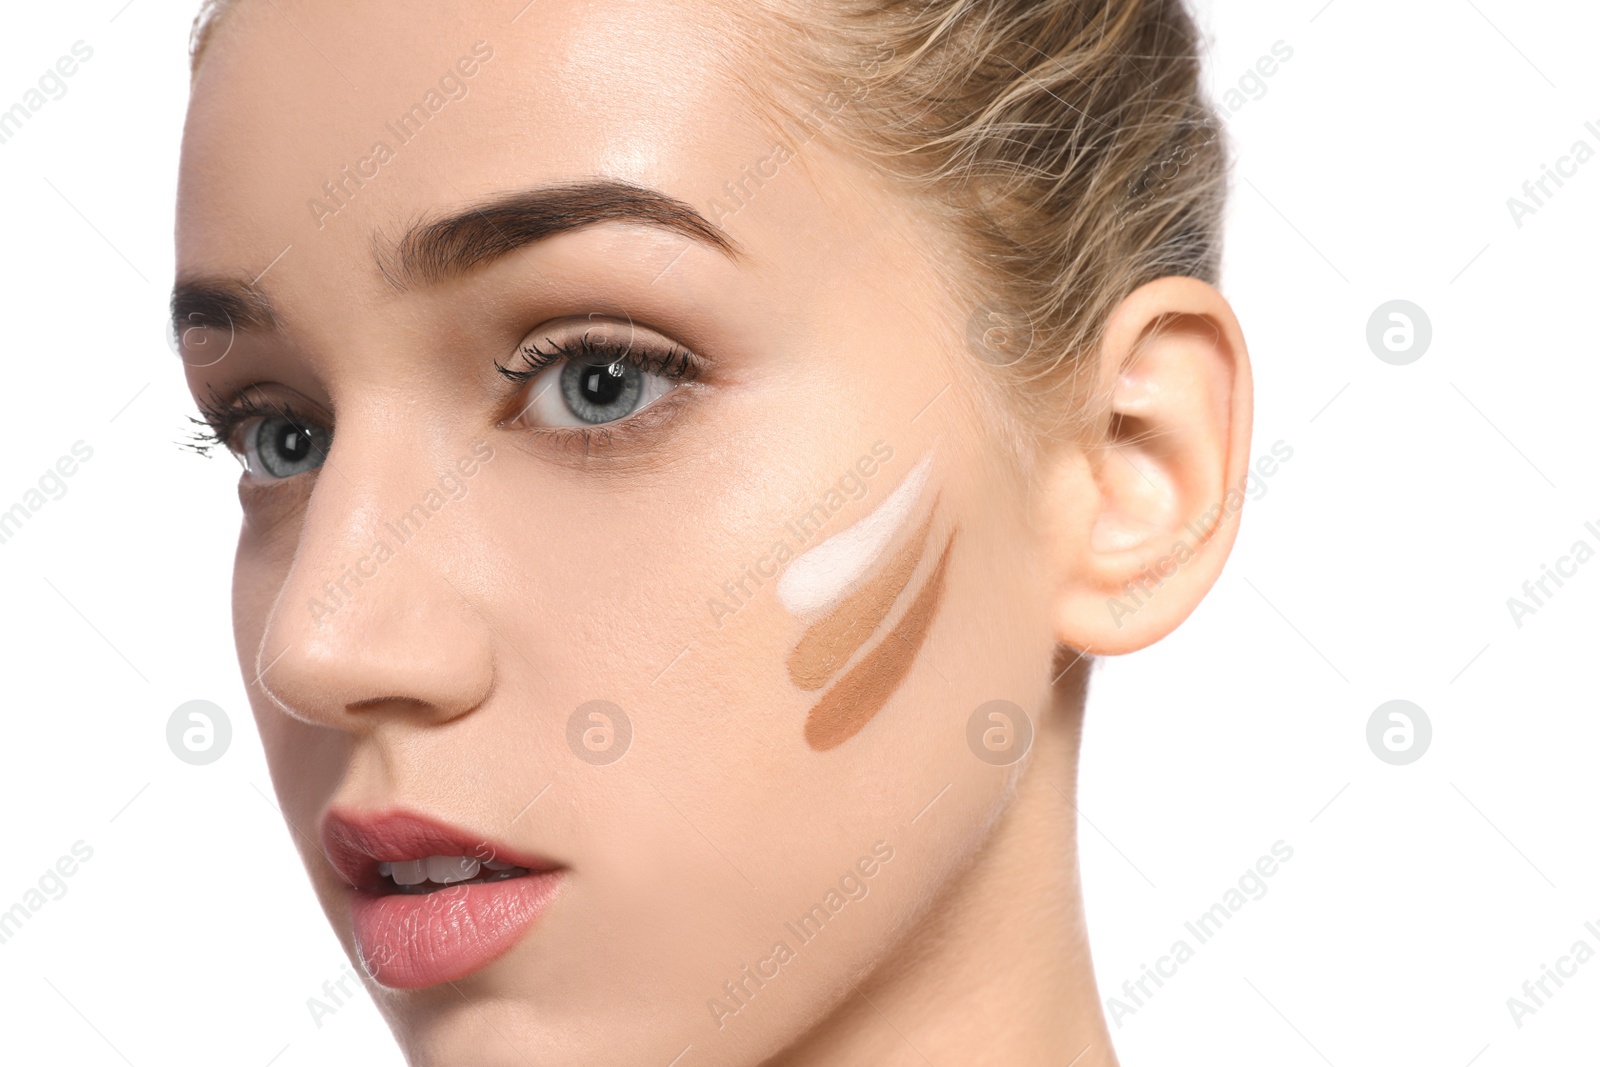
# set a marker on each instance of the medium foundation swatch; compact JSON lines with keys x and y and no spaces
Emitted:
{"x":856,"y":579}
{"x":830,"y":643}
{"x":867,"y":687}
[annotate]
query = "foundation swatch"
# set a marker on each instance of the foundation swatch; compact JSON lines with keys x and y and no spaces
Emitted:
{"x":830,"y":642}
{"x":818,"y":578}
{"x":863,"y":691}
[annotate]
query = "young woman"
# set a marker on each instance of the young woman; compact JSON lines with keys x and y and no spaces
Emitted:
{"x":692,"y":453}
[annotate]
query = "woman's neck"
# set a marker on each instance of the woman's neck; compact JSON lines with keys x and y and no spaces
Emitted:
{"x":996,"y":969}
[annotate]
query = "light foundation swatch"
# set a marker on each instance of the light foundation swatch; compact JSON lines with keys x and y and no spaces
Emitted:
{"x":818,"y":578}
{"x":838,"y":578}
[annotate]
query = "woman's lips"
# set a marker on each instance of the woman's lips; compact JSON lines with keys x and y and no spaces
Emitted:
{"x":410,"y":941}
{"x":418,"y":936}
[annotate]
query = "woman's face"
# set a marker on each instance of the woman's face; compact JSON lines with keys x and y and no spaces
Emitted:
{"x":683,"y":613}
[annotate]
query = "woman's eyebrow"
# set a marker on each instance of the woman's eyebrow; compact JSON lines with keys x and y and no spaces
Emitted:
{"x":431,"y":252}
{"x":217,"y":303}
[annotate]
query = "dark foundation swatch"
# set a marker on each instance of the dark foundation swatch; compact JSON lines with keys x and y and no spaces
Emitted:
{"x":830,"y":642}
{"x":867,"y":687}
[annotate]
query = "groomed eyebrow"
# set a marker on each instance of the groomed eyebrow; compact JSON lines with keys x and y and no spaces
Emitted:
{"x":220,"y":304}
{"x":431,"y":252}
{"x":453,"y":245}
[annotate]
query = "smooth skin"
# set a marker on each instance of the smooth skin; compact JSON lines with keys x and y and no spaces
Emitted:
{"x":571,"y":570}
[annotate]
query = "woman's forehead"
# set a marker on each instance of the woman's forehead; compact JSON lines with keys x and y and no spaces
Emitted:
{"x":306,"y":118}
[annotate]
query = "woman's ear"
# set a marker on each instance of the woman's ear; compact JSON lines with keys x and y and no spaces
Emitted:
{"x":1141,"y":518}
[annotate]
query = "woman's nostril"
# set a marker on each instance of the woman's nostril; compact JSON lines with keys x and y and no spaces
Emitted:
{"x":400,"y":704}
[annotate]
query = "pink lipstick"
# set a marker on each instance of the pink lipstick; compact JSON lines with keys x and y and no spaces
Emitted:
{"x":430,"y":902}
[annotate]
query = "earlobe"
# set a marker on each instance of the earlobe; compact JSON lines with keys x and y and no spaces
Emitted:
{"x":1142,"y":517}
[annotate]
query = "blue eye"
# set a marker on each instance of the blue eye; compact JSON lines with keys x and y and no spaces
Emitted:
{"x":596,"y":379}
{"x":277,"y":447}
{"x":602,"y":392}
{"x":591,"y":392}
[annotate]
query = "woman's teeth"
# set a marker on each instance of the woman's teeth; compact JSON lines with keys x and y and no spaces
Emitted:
{"x":443,"y":870}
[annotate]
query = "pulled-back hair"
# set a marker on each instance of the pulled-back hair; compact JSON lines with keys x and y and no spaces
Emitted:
{"x":1066,"y":144}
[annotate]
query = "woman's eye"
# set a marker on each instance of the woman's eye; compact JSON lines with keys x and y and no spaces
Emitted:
{"x":590,"y":391}
{"x":276,"y":447}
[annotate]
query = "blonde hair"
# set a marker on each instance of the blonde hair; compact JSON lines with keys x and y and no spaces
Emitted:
{"x":1066,"y":146}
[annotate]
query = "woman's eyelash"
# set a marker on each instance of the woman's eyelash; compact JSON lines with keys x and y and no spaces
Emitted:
{"x":677,"y":362}
{"x":220,"y":419}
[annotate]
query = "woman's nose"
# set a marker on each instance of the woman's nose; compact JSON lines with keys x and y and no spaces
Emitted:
{"x":373,"y":618}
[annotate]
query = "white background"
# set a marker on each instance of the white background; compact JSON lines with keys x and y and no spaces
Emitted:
{"x":1376,"y":166}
